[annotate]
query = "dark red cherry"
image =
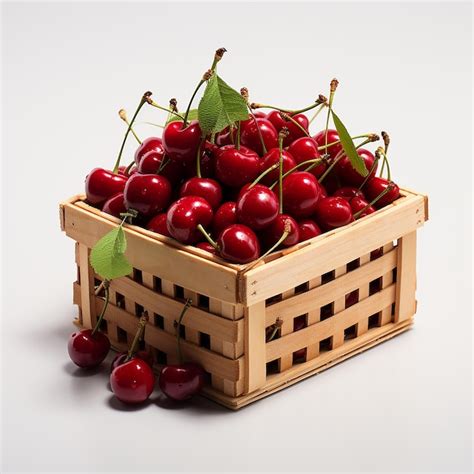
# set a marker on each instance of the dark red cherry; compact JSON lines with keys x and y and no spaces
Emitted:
{"x":294,"y":132}
{"x":147,"y":193}
{"x":181,"y":144}
{"x":181,"y":382}
{"x":147,"y":145}
{"x":227,"y":136}
{"x":272,"y":158}
{"x":357,"y":204}
{"x":348,"y":192}
{"x":308,"y":229}
{"x":115,"y":205}
{"x":250,"y":137}
{"x":158,"y":224}
{"x":173,"y":171}
{"x":185,"y":215}
{"x":333,"y":212}
{"x":102,"y":184}
{"x":150,"y":162}
{"x":235,"y":167}
{"x":207,"y":247}
{"x":224,"y":217}
{"x":121,"y":358}
{"x":239,"y":244}
{"x":257,"y":207}
{"x":375,"y":186}
{"x":207,"y":188}
{"x":333,"y":136}
{"x":301,"y":193}
{"x":273,"y":233}
{"x":348,"y":174}
{"x":208,"y":160}
{"x":86,"y":350}
{"x":133,"y":381}
{"x":305,"y":149}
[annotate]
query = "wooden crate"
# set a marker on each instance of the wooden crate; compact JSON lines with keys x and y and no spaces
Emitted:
{"x":233,"y":307}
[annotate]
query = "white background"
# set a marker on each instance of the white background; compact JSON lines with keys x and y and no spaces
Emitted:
{"x":67,"y":69}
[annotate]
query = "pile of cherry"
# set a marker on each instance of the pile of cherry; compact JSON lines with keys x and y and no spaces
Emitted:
{"x":262,"y":183}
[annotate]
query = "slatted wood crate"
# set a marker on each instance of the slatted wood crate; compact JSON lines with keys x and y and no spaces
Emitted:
{"x":354,"y":287}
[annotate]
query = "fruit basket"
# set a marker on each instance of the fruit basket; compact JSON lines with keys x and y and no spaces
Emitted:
{"x":325,"y":299}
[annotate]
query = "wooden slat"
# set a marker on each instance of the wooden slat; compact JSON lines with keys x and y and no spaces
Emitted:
{"x":339,"y":305}
{"x":363,"y":324}
{"x":192,"y":334}
{"x":387,"y":280}
{"x":89,"y":315}
{"x":314,"y":316}
{"x":332,"y":250}
{"x":405,"y":306}
{"x":255,"y":366}
{"x":286,"y":360}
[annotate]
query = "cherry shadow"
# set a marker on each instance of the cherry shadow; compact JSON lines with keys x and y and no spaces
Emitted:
{"x":71,"y":369}
{"x":114,"y":403}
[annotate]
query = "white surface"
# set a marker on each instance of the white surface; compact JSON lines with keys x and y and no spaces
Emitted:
{"x":404,"y":406}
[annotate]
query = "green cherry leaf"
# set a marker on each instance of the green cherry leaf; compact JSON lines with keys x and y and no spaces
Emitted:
{"x":220,"y":106}
{"x":193,"y":115}
{"x":349,"y":148}
{"x":107,"y":256}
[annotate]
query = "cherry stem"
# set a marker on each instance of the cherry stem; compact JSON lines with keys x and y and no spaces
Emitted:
{"x":185,"y":118}
{"x":237,"y":145}
{"x":259,"y":177}
{"x":281,"y":136}
{"x":123,"y":116}
{"x":141,"y":328}
{"x":294,"y":122}
{"x":319,"y":101}
{"x":207,"y":236}
{"x":105,"y":284}
{"x":321,"y":107}
{"x":260,"y":136}
{"x":372,"y":168}
{"x":129,"y":167}
{"x":129,"y":215}
{"x":178,"y":326}
{"x":385,"y":161}
{"x":165,"y":109}
{"x":333,"y":87}
{"x":371,"y":203}
{"x":163,"y":164}
{"x":315,"y":161}
{"x":198,"y":157}
{"x":278,"y":324}
{"x":143,"y":100}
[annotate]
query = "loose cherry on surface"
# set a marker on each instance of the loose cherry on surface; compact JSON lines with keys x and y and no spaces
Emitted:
{"x":271,"y":158}
{"x":304,"y":149}
{"x":184,"y":216}
{"x":333,"y":136}
{"x":158,"y":225}
{"x":272,"y":234}
{"x":147,"y":193}
{"x":102,"y":184}
{"x":88,"y":350}
{"x":333,"y":212}
{"x":236,"y":167}
{"x":257,"y":207}
{"x":250,"y":137}
{"x":375,"y":186}
{"x":132,"y":382}
{"x":181,"y":144}
{"x":301,"y":192}
{"x":224,"y":217}
{"x":360,"y":204}
{"x":294,"y":132}
{"x":349,"y":192}
{"x":154,"y":144}
{"x":121,"y":358}
{"x":207,"y":188}
{"x":115,"y":205}
{"x":308,"y":229}
{"x":349,"y":175}
{"x":207,"y":247}
{"x":239,"y":244}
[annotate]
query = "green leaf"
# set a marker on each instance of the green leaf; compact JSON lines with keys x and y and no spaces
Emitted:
{"x":193,"y":115}
{"x":220,"y":106}
{"x":349,"y":148}
{"x":107,"y":256}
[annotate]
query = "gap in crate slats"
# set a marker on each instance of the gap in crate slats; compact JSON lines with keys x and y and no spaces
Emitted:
{"x":327,"y":277}
{"x":392,"y":312}
{"x":179,"y":292}
{"x":273,"y":299}
{"x":137,"y":275}
{"x":203,"y":302}
{"x":204,"y":340}
{"x":139,"y":310}
{"x":350,"y":332}
{"x":326,"y":311}
{"x":394,"y":275}
{"x":325,"y":345}
{"x":300,"y":322}
{"x":272,"y":367}
{"x":119,"y":300}
{"x":375,"y":286}
{"x":353,"y":265}
{"x":161,"y":357}
{"x":158,"y":321}
{"x":352,"y":298}
{"x":374,"y":321}
{"x":156,"y":284}
{"x":103,"y":326}
{"x":121,"y":335}
{"x":78,"y":275}
{"x":375,"y":254}
{"x":182,"y":332}
{"x":141,"y":344}
{"x":302,"y":288}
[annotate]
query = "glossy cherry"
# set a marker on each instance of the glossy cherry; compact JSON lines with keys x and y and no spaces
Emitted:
{"x":333,"y":136}
{"x":257,"y":207}
{"x":375,"y":186}
{"x":225,"y":216}
{"x":304,"y":149}
{"x":181,"y":144}
{"x":236,"y":167}
{"x":150,"y":162}
{"x":158,"y":225}
{"x":333,"y":212}
{"x":147,"y":193}
{"x":102,"y":184}
{"x":121,"y":358}
{"x":250,"y":137}
{"x":184,"y":216}
{"x":88,"y":350}
{"x":294,"y":132}
{"x":132,"y":382}
{"x":115,"y":205}
{"x":239,"y":244}
{"x":207,"y":247}
{"x":207,"y":188}
{"x":181,"y":382}
{"x":348,"y":174}
{"x":308,"y":229}
{"x":348,"y":192}
{"x":272,"y":157}
{"x":357,"y":204}
{"x":272,"y":234}
{"x":147,"y":145}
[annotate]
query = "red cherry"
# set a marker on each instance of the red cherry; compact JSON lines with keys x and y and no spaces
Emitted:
{"x":147,"y":145}
{"x":357,"y":204}
{"x":87,"y":350}
{"x":273,"y":233}
{"x":133,"y":381}
{"x":375,"y":186}
{"x":181,"y":382}
{"x":349,"y":192}
{"x":115,"y":205}
{"x":348,"y":174}
{"x":333,"y":212}
{"x":235,"y":167}
{"x":102,"y":185}
{"x":181,"y":144}
{"x":150,"y":162}
{"x":227,"y":136}
{"x":122,"y":170}
{"x":250,"y":137}
{"x":294,"y":132}
{"x":301,"y":193}
{"x":185,"y":215}
{"x":271,"y":158}
{"x":305,"y":149}
{"x":207,"y":247}
{"x":158,"y":225}
{"x":333,"y":136}
{"x":173,"y":171}
{"x":308,"y":229}
{"x":257,"y":207}
{"x":207,"y":188}
{"x":208,"y":160}
{"x":224,"y":217}
{"x":238,"y":243}
{"x":147,"y":193}
{"x":121,"y":358}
